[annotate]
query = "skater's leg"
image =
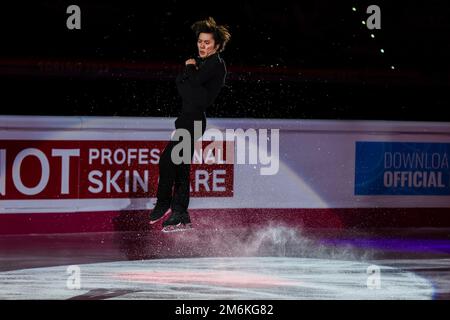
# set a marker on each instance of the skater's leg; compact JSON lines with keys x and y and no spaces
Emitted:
{"x":180,"y":200}
{"x":181,"y":193}
{"x":179,"y":219}
{"x":165,"y":185}
{"x":166,"y":175}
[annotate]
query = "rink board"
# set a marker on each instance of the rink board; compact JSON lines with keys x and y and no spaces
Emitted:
{"x":90,"y":174}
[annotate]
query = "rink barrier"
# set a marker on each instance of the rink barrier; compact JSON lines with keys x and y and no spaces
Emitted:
{"x":92,"y":174}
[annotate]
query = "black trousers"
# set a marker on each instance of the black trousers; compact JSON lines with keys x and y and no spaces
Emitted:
{"x":174,"y":179}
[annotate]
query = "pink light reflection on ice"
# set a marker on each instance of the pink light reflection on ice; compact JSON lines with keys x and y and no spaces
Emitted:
{"x":222,"y":278}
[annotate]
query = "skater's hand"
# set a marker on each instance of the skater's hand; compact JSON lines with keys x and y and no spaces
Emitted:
{"x":191,"y":61}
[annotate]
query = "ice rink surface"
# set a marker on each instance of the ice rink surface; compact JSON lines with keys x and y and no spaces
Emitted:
{"x":217,"y":278}
{"x":272,"y":263}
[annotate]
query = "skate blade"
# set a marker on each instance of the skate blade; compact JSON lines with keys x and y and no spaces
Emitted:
{"x":177,"y":228}
{"x":162,"y":217}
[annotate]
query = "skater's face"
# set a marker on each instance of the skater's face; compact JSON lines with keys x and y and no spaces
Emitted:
{"x":206,"y":45}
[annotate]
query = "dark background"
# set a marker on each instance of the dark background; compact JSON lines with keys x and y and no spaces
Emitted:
{"x":286,"y":59}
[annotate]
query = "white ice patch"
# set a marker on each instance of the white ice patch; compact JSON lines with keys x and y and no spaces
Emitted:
{"x":217,"y":278}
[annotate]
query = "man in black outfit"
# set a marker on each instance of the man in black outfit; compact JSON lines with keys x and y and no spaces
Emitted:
{"x":198,"y":85}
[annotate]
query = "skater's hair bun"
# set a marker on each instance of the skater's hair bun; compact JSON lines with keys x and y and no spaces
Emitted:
{"x":220,"y":33}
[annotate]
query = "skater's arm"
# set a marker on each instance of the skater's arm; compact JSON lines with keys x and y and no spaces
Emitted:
{"x":201,"y":75}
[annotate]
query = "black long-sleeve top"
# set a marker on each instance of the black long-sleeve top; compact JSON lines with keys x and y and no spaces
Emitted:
{"x":199,"y":85}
